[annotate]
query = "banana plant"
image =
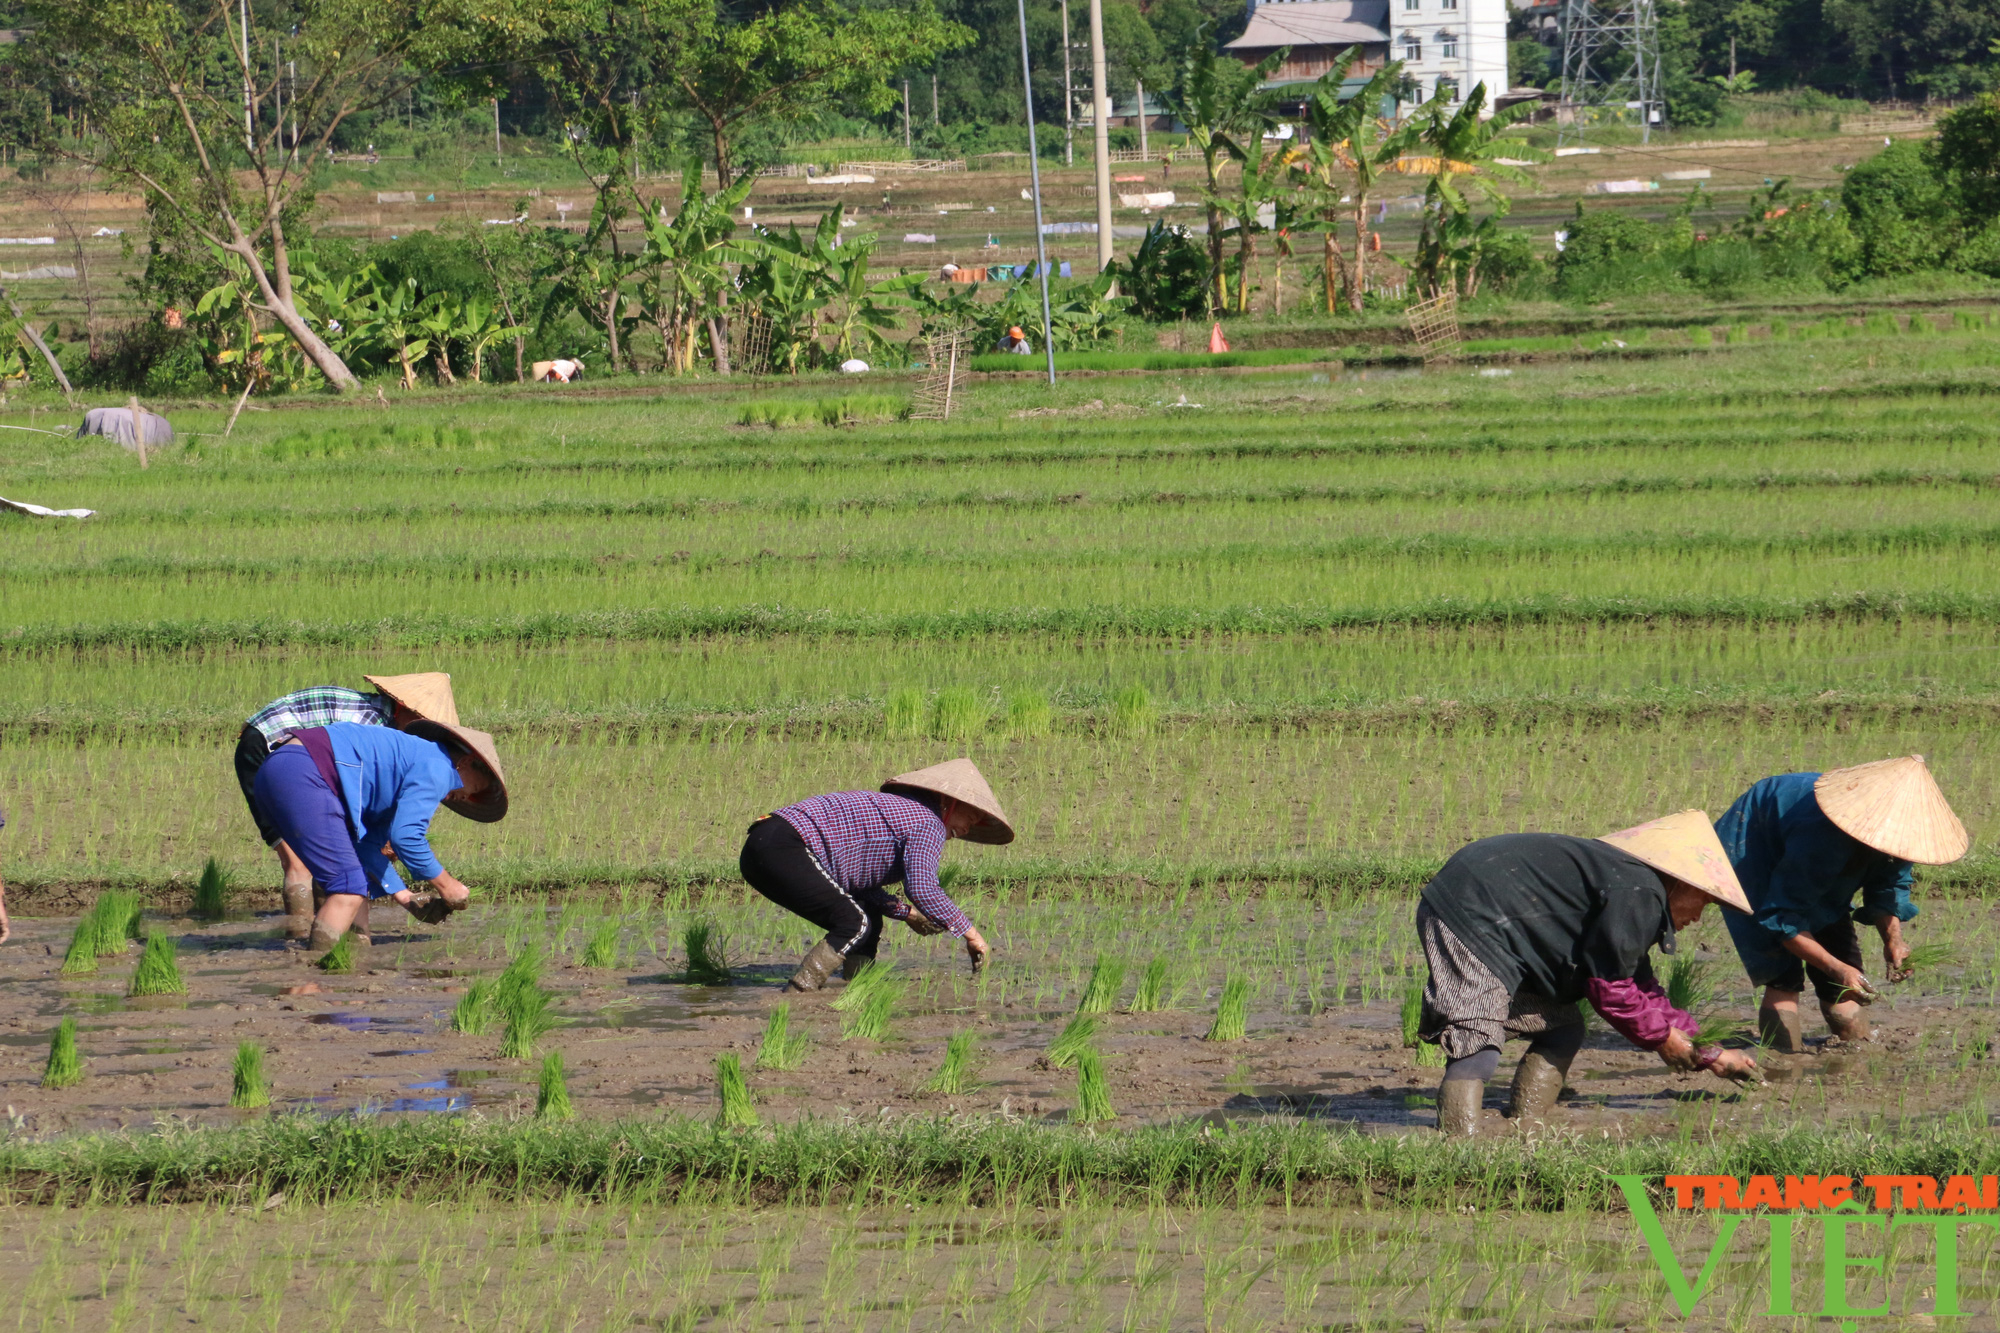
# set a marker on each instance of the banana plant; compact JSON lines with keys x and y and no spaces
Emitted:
{"x":226,"y":329}
{"x":442,"y":318}
{"x":480,"y":326}
{"x":1461,"y":144}
{"x":1222,"y":104}
{"x":685,"y":258}
{"x":1349,"y":146}
{"x":393,"y":325}
{"x":817,"y":288}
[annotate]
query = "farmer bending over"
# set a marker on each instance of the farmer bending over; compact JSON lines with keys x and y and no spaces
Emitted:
{"x":401,"y":701}
{"x":346,"y":797}
{"x":1803,"y":844}
{"x":1014,"y":340}
{"x":827,"y":859}
{"x":1518,"y":928}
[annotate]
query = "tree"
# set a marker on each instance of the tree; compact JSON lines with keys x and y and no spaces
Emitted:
{"x":183,"y":100}
{"x":793,"y":61}
{"x":1219,"y":101}
{"x":1460,"y":143}
{"x":1967,"y":150}
{"x":1347,"y":146}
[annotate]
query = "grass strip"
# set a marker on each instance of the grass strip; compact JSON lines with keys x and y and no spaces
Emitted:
{"x":936,"y":1159}
{"x":652,"y":625}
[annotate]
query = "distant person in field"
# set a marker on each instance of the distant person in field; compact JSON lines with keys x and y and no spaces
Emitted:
{"x":1518,"y":928}
{"x":1803,"y":844}
{"x":829,"y":858}
{"x":6,"y":927}
{"x":397,"y":702}
{"x":1015,"y":341}
{"x":347,"y":798}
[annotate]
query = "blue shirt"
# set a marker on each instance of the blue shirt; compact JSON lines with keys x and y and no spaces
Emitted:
{"x":1799,"y":870}
{"x":391,"y":782}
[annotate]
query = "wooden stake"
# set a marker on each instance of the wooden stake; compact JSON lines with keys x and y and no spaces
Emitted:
{"x":138,"y":428}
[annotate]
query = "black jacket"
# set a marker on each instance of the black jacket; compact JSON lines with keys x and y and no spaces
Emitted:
{"x":1548,"y":912}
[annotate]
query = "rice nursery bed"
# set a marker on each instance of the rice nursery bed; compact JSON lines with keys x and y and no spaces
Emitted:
{"x":1244,"y":657}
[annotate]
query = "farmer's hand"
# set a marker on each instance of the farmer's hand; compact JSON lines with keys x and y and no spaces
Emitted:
{"x":922,"y":924}
{"x":456,"y":895}
{"x":1895,"y":953}
{"x":1856,"y":985}
{"x":976,"y":948}
{"x":1736,"y":1066}
{"x":1677,"y":1050}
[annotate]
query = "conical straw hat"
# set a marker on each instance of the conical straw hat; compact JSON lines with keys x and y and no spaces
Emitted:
{"x":1894,"y":806}
{"x":960,"y":779}
{"x":491,"y":806}
{"x":425,"y":693}
{"x":1685,"y":846}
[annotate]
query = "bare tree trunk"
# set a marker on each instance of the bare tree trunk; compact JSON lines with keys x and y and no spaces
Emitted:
{"x":1359,"y":285}
{"x":719,"y":344}
{"x":1335,"y":267}
{"x":611,"y":327}
{"x":443,"y":363}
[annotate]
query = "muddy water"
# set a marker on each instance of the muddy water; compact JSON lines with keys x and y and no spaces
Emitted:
{"x":637,"y":1041}
{"x":585,"y":1269}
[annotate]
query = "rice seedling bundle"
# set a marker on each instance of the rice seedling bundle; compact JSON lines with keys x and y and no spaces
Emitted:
{"x":870,"y":1019}
{"x":248,"y":1088}
{"x":856,"y":992}
{"x":340,"y":959}
{"x":1028,"y":714}
{"x":903,"y":712}
{"x":1929,"y":956}
{"x":211,"y":891}
{"x":1075,"y":1038}
{"x":954,"y":1075}
{"x":159,"y":972}
{"x":522,"y":973}
{"x":1151,"y":995}
{"x":1100,"y":995}
{"x":81,"y":955}
{"x":602,"y":950}
{"x":1132,"y":711}
{"x":1093,"y":1095}
{"x":707,"y":964}
{"x":528,"y":1015}
{"x":1689,"y":985}
{"x":958,"y":715}
{"x":475,"y":1010}
{"x":781,"y":1049}
{"x":736,"y":1112}
{"x":552,"y":1091}
{"x":1232,"y":1012}
{"x":1429,"y":1054}
{"x":65,"y":1066}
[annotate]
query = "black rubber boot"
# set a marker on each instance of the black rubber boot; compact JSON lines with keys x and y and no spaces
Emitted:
{"x":298,"y":910}
{"x":1538,"y":1080}
{"x":1459,"y":1101}
{"x":815,"y":968}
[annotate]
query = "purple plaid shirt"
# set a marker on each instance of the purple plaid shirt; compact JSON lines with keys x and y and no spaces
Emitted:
{"x":866,"y":839}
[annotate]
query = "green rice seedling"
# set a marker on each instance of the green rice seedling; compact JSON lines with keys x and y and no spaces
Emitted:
{"x":474,"y":1012}
{"x":82,"y":953}
{"x":528,"y":1020}
{"x":1151,"y":995}
{"x":1093,"y":1095}
{"x":552,"y":1091}
{"x":954,"y":1075}
{"x":707,"y":964}
{"x":246,"y":1078}
{"x":855,"y":409}
{"x":781,"y":1049}
{"x":736,"y":1112}
{"x":1780,"y":330}
{"x":871,"y":1018}
{"x":957,"y":715}
{"x":1100,"y":996}
{"x":522,"y":973}
{"x":602,"y":951}
{"x":1072,"y":1041}
{"x":871,"y":975}
{"x":158,"y":972}
{"x":211,"y":891}
{"x":903,"y":712}
{"x":1701,"y":335}
{"x":340,"y":959}
{"x":1232,"y":1012}
{"x":1132,"y":711}
{"x":1689,"y":985}
{"x":1920,"y":326}
{"x":65,"y":1066}
{"x":1929,"y":956}
{"x":1429,"y":1054}
{"x":1029,"y":714}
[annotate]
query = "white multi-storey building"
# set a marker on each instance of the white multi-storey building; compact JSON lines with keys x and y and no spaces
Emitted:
{"x":1444,"y":44}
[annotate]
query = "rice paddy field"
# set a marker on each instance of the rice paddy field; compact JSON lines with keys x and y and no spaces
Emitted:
{"x":1245,"y":656}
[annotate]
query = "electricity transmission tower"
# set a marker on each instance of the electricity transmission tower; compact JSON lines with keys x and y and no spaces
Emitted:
{"x":1611,"y":63}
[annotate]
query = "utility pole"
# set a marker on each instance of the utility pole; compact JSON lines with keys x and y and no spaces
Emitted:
{"x":1035,"y":178}
{"x":249,"y":92}
{"x":1069,"y":98}
{"x":1100,"y":117}
{"x":496,"y":136}
{"x":1140,"y":85}
{"x":906,"y":115}
{"x":934,"y":110}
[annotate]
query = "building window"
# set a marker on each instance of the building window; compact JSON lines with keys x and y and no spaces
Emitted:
{"x":1448,"y":46}
{"x":1449,"y":4}
{"x":1447,"y":90}
{"x":1411,"y":6}
{"x":1413,"y":51}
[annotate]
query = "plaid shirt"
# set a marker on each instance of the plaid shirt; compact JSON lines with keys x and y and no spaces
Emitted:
{"x":866,"y":839}
{"x":319,"y":706}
